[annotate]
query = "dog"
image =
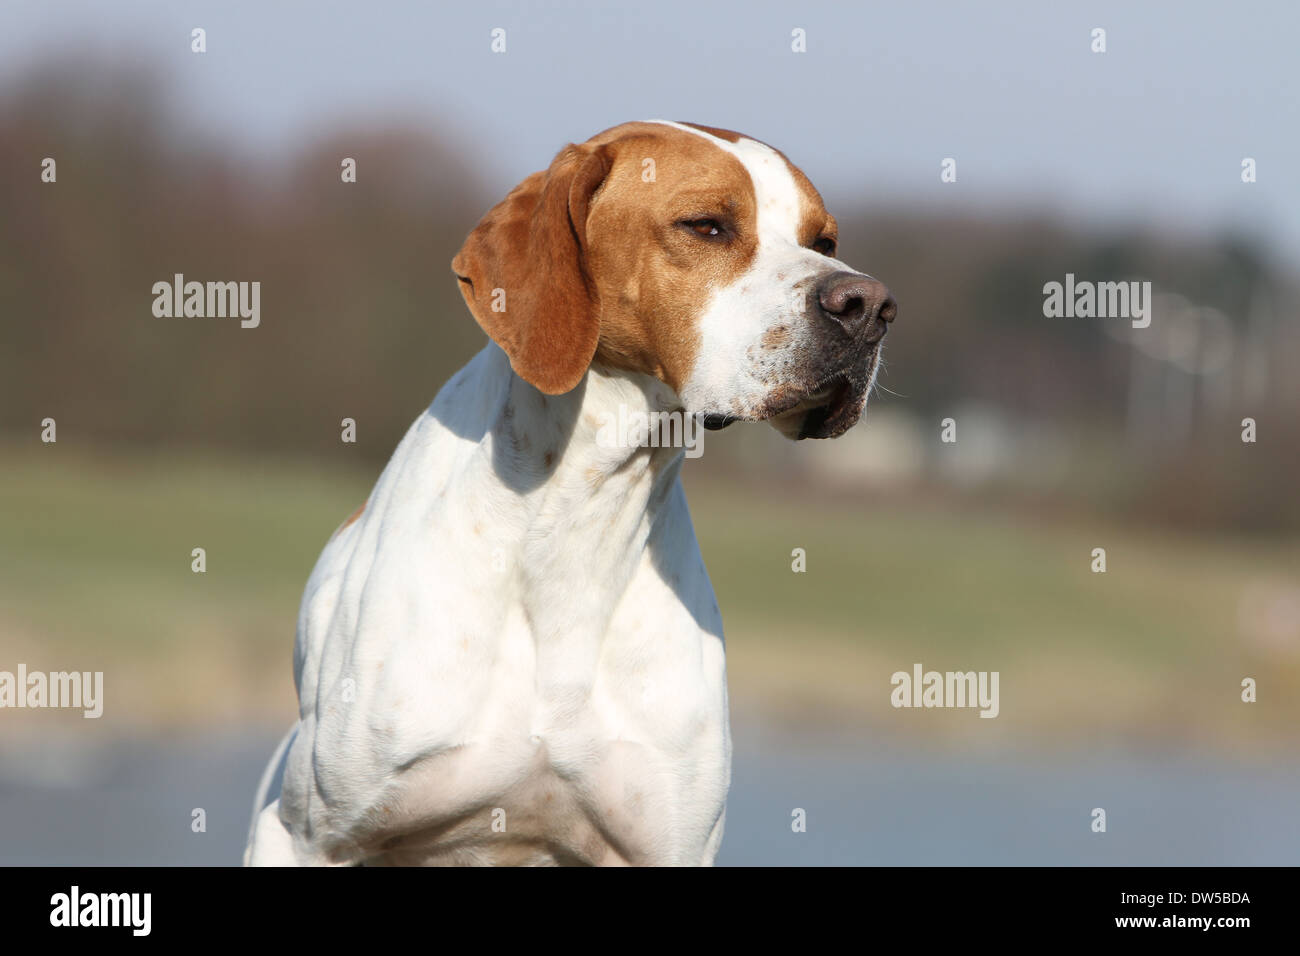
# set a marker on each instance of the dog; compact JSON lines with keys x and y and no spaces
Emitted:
{"x":511,"y":654}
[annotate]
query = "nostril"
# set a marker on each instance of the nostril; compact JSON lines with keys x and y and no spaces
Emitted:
{"x":888,"y":309}
{"x":852,"y":307}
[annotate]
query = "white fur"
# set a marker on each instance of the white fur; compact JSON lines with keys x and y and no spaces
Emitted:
{"x":545,"y":644}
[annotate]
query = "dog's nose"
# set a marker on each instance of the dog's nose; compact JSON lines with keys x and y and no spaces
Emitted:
{"x":858,"y":303}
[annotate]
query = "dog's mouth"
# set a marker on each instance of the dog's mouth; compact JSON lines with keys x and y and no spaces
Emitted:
{"x":827,"y":410}
{"x":831,"y":410}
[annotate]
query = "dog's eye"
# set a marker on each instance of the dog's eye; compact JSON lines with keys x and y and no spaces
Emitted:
{"x":708,"y":228}
{"x":825,"y":245}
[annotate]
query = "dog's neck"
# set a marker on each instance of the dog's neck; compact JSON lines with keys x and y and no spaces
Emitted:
{"x":572,"y":506}
{"x":568,"y":446}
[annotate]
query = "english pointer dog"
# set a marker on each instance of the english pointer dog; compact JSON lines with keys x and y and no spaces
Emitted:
{"x":511,"y":654}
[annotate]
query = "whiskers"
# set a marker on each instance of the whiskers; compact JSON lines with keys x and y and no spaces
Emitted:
{"x":876,"y":386}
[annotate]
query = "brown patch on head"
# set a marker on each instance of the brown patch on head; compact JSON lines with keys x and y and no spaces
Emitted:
{"x":814,"y":220}
{"x":731,"y":136}
{"x":654,"y":274}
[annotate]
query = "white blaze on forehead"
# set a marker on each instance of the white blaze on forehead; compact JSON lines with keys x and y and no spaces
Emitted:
{"x":775,"y":193}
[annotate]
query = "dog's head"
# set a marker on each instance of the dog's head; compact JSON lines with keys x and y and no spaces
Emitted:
{"x":695,"y":255}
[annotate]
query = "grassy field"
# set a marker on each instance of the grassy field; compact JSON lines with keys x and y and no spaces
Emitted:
{"x":95,"y":555}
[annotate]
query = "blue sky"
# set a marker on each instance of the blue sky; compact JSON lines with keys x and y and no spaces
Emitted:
{"x":1153,"y":131}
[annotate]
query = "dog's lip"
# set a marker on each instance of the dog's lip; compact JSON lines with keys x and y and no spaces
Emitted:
{"x":823,"y":411}
{"x":840,"y":410}
{"x":832,"y":418}
{"x":831,"y":394}
{"x":828,"y":393}
{"x":831,"y":391}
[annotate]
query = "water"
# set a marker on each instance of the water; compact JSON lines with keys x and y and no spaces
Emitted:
{"x":131,"y":803}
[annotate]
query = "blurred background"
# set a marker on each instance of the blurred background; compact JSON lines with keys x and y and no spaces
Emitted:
{"x":1119,"y":690}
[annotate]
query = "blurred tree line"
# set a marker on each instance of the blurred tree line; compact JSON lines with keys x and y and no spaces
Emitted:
{"x":361,"y":317}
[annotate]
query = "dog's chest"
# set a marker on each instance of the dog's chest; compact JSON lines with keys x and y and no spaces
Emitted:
{"x":555,"y":751}
{"x":514,"y":654}
{"x":486,"y":724}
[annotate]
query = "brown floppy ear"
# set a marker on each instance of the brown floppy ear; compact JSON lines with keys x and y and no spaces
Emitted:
{"x":522,"y":273}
